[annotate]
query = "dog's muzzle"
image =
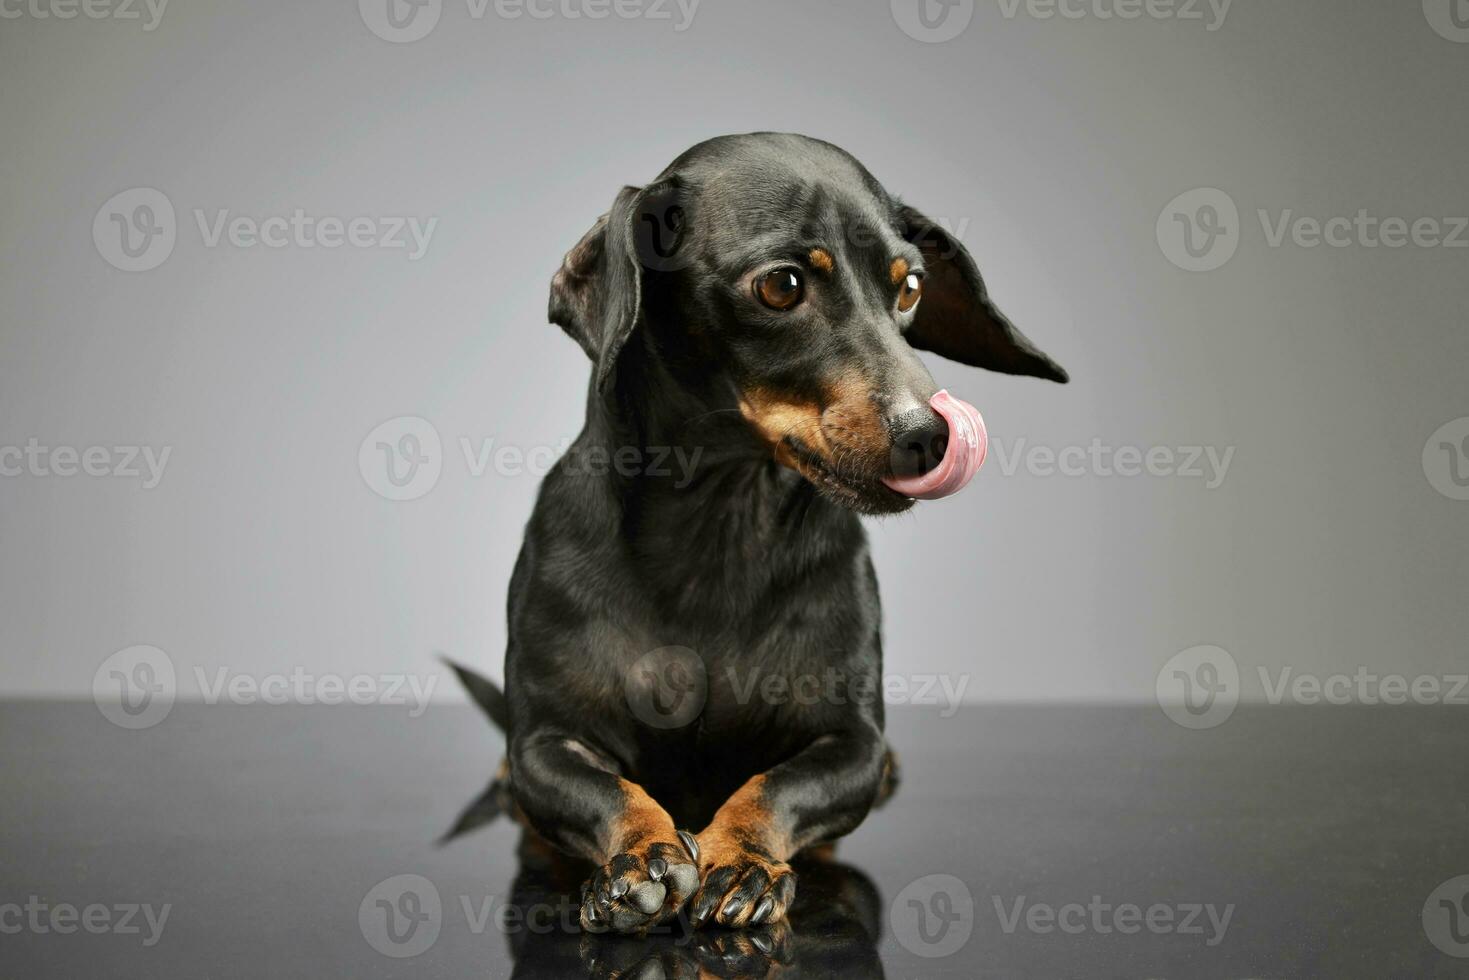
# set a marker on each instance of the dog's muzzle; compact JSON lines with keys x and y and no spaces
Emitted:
{"x":963,"y":453}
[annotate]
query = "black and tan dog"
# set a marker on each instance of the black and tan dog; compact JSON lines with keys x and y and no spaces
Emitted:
{"x":754,"y":309}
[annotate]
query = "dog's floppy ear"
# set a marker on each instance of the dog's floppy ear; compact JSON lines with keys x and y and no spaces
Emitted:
{"x":596,"y":295}
{"x":955,"y":317}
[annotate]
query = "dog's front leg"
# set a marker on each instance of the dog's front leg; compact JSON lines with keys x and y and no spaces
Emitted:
{"x":574,"y":797}
{"x":817,"y":795}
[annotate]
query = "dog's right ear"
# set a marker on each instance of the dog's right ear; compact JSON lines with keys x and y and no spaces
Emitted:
{"x":596,"y":295}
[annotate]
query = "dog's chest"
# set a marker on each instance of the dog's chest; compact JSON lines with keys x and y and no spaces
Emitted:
{"x":736,"y":681}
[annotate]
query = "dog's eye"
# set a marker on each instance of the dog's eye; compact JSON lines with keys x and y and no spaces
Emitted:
{"x":910,"y":292}
{"x":781,"y":289}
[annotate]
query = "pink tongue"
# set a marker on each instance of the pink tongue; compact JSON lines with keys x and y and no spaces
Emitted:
{"x":967,"y":444}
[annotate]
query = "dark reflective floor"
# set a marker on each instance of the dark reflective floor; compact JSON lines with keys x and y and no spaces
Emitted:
{"x":1025,"y":842}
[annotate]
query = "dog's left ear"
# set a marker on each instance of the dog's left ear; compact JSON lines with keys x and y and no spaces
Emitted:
{"x":596,"y":295}
{"x":955,"y":317}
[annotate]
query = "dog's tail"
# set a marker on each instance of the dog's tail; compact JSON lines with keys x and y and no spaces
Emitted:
{"x":496,"y":800}
{"x":485,"y":692}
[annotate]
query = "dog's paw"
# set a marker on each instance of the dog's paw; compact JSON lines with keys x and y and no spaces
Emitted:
{"x":644,"y":885}
{"x":757,"y":951}
{"x":741,"y":885}
{"x":618,"y":959}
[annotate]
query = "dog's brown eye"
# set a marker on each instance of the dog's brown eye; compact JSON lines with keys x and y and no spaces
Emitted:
{"x":781,"y":289}
{"x":910,"y":292}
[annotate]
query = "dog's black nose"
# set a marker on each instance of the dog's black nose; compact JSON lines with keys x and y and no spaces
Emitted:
{"x":920,"y":439}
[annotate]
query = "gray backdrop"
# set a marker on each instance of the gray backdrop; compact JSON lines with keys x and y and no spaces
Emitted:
{"x":1056,"y":146}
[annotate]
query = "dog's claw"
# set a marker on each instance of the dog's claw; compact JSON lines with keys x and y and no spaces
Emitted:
{"x":592,"y":915}
{"x":741,"y":887}
{"x":657,"y":868}
{"x":690,"y":844}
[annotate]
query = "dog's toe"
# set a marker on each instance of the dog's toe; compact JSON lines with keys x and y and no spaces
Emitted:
{"x":639,"y":888}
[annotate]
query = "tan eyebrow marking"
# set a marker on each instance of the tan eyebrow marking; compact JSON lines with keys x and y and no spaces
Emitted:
{"x":822,"y":259}
{"x":898,"y":270}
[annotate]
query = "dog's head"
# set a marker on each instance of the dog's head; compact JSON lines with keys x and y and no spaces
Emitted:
{"x":776,"y":269}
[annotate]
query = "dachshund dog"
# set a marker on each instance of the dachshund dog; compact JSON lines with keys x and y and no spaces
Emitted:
{"x":752,"y":312}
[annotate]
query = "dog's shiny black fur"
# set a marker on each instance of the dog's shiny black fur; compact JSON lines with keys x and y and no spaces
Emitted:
{"x":753,"y":562}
